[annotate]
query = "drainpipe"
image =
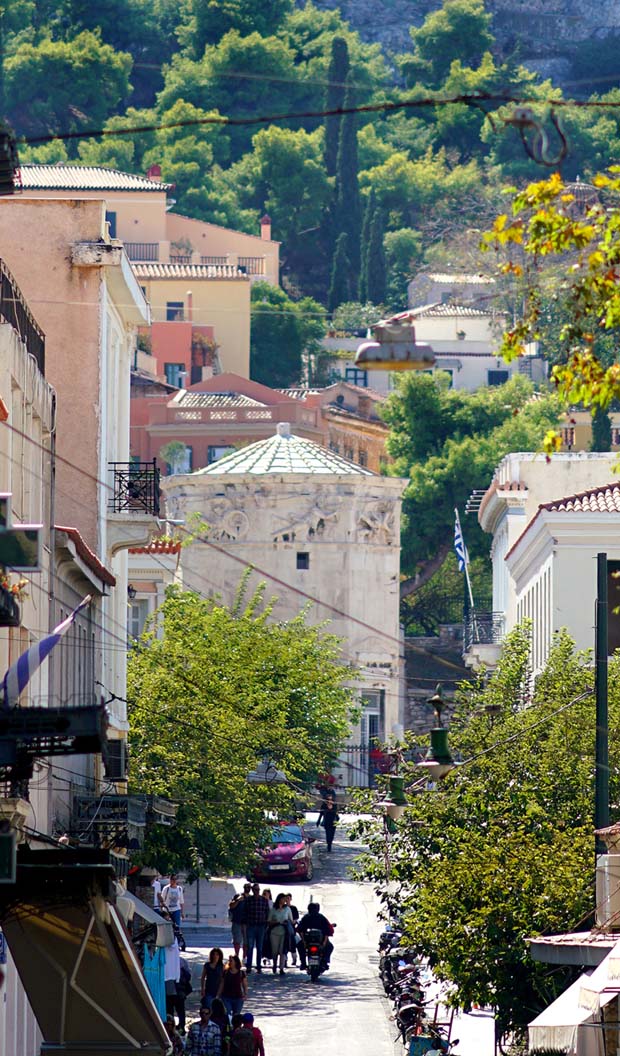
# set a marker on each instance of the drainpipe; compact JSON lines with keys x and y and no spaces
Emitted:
{"x":601,"y":800}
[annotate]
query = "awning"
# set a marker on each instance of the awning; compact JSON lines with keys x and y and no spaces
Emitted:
{"x":165,"y":930}
{"x":601,"y":987}
{"x":569,"y":1027}
{"x":75,"y":958}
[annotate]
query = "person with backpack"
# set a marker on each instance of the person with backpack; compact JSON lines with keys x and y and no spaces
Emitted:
{"x":259,"y":1044}
{"x":242,"y":1041}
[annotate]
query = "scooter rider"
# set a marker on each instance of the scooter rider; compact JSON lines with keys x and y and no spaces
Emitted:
{"x":314,"y":919}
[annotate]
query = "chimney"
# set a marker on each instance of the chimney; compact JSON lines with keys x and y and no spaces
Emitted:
{"x":283,"y":429}
{"x":154,"y":173}
{"x":265,"y":228}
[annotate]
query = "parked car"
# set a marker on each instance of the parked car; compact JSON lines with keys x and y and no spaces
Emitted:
{"x":288,"y":855}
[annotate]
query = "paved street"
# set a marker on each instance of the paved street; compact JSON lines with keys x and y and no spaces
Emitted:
{"x":345,"y":1014}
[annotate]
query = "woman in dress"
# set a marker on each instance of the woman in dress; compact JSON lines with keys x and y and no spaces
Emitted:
{"x":211,"y":977}
{"x":233,"y":988}
{"x":280,"y":917}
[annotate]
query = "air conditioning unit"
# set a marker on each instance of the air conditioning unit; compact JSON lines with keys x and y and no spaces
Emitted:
{"x":608,"y":892}
{"x":115,"y":760}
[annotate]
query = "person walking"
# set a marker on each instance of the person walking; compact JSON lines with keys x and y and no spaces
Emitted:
{"x":172,"y":899}
{"x":236,"y":915}
{"x":211,"y":977}
{"x":259,"y":1044}
{"x":184,"y":989}
{"x":292,"y":929}
{"x":204,"y":1038}
{"x":219,"y":1015}
{"x":256,"y":912}
{"x":178,"y":1048}
{"x":233,"y":988}
{"x":280,"y":917}
{"x":328,"y":817}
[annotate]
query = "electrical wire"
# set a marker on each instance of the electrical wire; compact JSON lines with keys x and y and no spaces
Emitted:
{"x":472,"y":99}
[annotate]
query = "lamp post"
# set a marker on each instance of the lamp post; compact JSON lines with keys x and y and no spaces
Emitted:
{"x":438,"y":761}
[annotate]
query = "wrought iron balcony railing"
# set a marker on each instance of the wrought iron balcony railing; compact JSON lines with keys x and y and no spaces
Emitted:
{"x":483,"y":628}
{"x":15,"y":311}
{"x":136,"y":487}
{"x":109,"y":821}
{"x":142,"y":251}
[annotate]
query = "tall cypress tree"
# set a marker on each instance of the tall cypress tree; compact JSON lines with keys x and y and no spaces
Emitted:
{"x":348,"y":205}
{"x":376,"y":269}
{"x":334,"y":100}
{"x":601,"y":431}
{"x":340,"y":285}
{"x":365,"y":236}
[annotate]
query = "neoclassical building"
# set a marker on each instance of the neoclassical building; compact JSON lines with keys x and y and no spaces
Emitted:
{"x":323,"y":533}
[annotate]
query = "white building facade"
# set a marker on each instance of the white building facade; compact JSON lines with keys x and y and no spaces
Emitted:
{"x":323,"y":533}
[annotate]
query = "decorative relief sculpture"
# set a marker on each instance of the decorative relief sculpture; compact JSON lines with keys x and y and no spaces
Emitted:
{"x":226,"y":522}
{"x":376,"y":524}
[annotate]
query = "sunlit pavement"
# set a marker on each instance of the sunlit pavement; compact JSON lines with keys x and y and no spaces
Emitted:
{"x":345,"y":1013}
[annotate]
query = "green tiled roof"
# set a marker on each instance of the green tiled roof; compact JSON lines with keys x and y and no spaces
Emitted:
{"x":283,"y":453}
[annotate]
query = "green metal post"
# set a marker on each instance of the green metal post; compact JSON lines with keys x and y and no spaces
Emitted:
{"x":601,"y":796}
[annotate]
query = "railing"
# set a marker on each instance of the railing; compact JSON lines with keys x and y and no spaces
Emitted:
{"x":218,"y":261}
{"x":253,"y":265}
{"x":136,"y":487}
{"x":142,"y":250}
{"x":15,"y":312}
{"x":109,"y":821}
{"x":180,"y":258}
{"x":482,"y":628}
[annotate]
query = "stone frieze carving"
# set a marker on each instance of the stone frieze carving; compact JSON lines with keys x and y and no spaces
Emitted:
{"x":377,"y":524}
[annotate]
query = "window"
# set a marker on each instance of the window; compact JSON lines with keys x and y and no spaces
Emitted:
{"x":111,"y":222}
{"x":303,"y":561}
{"x":615,"y":437}
{"x":568,"y":437}
{"x":138,"y":613}
{"x":183,"y":464}
{"x":363,"y":458}
{"x":450,"y":373}
{"x":356,"y":376}
{"x":174,"y":311}
{"x":373,"y":705}
{"x":213,"y":453}
{"x":497,"y":377}
{"x":348,"y":453}
{"x":333,"y":446}
{"x":173,"y":372}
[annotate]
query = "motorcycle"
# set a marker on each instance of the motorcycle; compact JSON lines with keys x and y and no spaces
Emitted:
{"x":315,"y":956}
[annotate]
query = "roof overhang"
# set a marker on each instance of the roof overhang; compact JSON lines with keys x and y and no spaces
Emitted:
{"x":577,"y":948}
{"x":75,"y":959}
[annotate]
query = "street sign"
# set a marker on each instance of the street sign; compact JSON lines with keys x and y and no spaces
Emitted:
{"x":8,"y":859}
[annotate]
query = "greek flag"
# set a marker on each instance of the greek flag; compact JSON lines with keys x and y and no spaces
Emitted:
{"x":459,"y":545}
{"x":19,"y":674}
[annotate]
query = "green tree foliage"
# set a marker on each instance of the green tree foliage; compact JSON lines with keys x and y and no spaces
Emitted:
{"x":341,"y":284}
{"x":547,"y":225}
{"x":447,"y":442}
{"x":207,"y":700}
{"x":213,"y":19}
{"x":459,"y":30}
{"x":369,"y":209}
{"x":348,"y":205}
{"x":62,"y":86}
{"x":334,"y":100}
{"x":403,"y":254}
{"x":500,"y":852}
{"x":283,"y":331}
{"x":376,"y":276}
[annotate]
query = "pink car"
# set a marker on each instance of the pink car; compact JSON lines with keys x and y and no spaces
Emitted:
{"x":289,"y":855}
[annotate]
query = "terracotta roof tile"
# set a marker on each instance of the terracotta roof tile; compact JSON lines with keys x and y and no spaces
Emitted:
{"x":215,"y":399}
{"x":597,"y":500}
{"x":157,"y":546}
{"x":85,"y":178}
{"x":87,"y":555}
{"x":188,"y":271}
{"x":443,"y":311}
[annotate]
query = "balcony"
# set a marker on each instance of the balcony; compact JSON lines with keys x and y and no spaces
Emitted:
{"x":15,"y":312}
{"x":483,"y":633}
{"x":109,"y":821}
{"x":252,"y":265}
{"x":136,"y":488}
{"x":215,"y":261}
{"x":142,"y":251}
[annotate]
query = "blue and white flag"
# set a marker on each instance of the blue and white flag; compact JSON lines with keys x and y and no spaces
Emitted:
{"x":459,"y":544}
{"x":19,"y":674}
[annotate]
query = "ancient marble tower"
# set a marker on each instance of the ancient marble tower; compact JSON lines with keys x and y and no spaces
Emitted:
{"x":322,"y":533}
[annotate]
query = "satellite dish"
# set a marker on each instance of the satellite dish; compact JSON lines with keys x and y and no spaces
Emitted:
{"x":394,"y":347}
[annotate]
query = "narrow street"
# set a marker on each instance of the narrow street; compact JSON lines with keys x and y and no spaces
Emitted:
{"x":346,"y":1013}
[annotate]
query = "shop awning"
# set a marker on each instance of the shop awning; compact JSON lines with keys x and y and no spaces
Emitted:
{"x":164,"y":929}
{"x":76,"y":960}
{"x":599,"y":988}
{"x":567,"y":1026}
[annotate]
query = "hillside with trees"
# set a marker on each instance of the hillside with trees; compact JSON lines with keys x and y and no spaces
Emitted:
{"x":359,"y":202}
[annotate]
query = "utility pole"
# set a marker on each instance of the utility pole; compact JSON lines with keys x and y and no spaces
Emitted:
{"x":601,"y":794}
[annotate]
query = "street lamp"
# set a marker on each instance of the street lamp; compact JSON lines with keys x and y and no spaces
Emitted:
{"x":395,"y":801}
{"x":438,"y":761}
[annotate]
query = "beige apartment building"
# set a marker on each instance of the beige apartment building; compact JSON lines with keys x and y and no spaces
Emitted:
{"x":190,"y":270}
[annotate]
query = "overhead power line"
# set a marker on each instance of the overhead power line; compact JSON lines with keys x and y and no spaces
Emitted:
{"x":473,"y":99}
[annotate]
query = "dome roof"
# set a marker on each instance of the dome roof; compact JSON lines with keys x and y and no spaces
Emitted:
{"x":283,"y":453}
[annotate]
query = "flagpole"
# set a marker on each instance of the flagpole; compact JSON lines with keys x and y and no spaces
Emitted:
{"x":465,"y":561}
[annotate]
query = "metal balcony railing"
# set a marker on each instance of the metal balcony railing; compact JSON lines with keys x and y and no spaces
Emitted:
{"x":253,"y":265}
{"x":136,"y":487}
{"x":180,"y":258}
{"x":483,"y":628}
{"x":214,"y":260}
{"x":15,"y":312}
{"x":142,"y":250}
{"x":109,"y":821}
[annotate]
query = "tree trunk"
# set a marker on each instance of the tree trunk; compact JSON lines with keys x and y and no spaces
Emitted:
{"x":409,"y":586}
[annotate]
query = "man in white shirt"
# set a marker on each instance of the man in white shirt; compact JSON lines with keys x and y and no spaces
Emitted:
{"x":156,"y":885}
{"x":172,"y":899}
